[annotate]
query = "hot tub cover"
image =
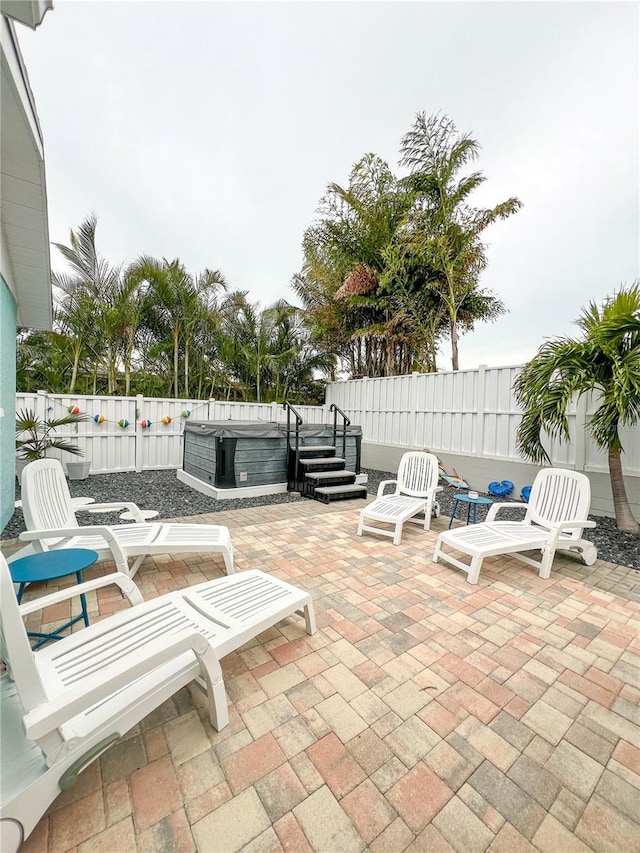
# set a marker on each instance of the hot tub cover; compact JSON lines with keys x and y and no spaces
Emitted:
{"x":261,"y":429}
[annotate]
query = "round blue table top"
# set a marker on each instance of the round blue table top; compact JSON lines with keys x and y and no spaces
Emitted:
{"x":51,"y":564}
{"x":470,"y":500}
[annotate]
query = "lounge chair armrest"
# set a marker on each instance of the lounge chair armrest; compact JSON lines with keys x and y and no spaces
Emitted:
{"x":67,"y":532}
{"x":495,"y":508}
{"x":575,"y":524}
{"x":383,"y":484}
{"x":556,"y":532}
{"x":134,"y":509}
{"x":72,"y":701}
{"x":125,"y":583}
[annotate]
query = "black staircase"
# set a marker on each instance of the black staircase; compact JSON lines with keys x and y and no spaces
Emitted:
{"x":314,"y":470}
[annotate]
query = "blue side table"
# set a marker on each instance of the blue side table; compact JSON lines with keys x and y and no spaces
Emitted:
{"x":47,"y":566}
{"x":470,"y":502}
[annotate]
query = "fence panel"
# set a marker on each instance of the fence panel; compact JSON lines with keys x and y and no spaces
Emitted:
{"x":469,"y":412}
{"x":114,"y":439}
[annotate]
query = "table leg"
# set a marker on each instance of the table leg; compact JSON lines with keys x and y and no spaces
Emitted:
{"x":475,"y":510}
{"x":83,"y":601}
{"x":469,"y":513}
{"x":57,"y":634}
{"x":453,"y":512}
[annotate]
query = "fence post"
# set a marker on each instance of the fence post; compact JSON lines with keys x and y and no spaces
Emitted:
{"x":413,"y":411}
{"x":139,"y":439}
{"x":580,"y":455}
{"x":481,"y":408}
{"x":365,"y":406}
{"x":274,"y":412}
{"x":41,"y":405}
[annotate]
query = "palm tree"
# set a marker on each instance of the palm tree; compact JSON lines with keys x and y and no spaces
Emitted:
{"x":344,"y":258}
{"x":175,"y":303}
{"x":606,"y":360}
{"x":43,"y":360}
{"x":441,"y":225}
{"x":86,"y":307}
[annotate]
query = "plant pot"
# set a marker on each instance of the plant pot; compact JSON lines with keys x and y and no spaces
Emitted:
{"x":20,"y":466}
{"x":78,"y":470}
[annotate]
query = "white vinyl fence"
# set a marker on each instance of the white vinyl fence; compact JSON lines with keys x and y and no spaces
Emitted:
{"x":114,"y":439}
{"x":470,"y":413}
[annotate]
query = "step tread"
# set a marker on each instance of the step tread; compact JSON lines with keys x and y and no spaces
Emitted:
{"x":334,"y":490}
{"x":328,"y":475}
{"x":315,"y":447}
{"x":320,"y":460}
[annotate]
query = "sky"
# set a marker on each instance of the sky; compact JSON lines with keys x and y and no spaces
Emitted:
{"x":208,"y":131}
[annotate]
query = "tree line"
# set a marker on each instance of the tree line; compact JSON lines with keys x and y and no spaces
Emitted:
{"x":391,"y":270}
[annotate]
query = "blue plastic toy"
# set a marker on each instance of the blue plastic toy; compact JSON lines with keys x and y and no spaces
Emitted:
{"x":524,"y":493}
{"x":501,"y":489}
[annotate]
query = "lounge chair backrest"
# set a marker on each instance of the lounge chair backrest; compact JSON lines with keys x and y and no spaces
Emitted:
{"x":46,"y":501}
{"x":16,"y":650}
{"x":559,"y":494}
{"x":417,"y":474}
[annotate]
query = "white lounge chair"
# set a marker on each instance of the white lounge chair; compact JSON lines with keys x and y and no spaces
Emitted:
{"x":415,"y":492}
{"x":555,"y":518}
{"x":65,"y":704}
{"x":50,"y":519}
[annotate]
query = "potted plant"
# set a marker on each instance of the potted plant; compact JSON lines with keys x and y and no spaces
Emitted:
{"x":34,"y":438}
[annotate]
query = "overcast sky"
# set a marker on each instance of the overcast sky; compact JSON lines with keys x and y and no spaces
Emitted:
{"x":208,"y":131}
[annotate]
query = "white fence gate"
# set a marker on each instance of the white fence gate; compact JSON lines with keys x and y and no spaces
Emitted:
{"x":114,"y":439}
{"x":468,"y":412}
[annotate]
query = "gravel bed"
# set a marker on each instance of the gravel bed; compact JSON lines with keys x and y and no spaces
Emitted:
{"x":162,"y":490}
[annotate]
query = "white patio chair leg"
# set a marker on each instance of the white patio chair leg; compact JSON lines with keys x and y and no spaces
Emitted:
{"x":134,"y":568}
{"x":545,"y":563}
{"x":360,"y":525}
{"x":427,"y":516}
{"x":397,"y":536}
{"x":228,"y":560}
{"x":436,"y":551}
{"x":214,"y":683}
{"x":474,"y":569}
{"x":309,"y":618}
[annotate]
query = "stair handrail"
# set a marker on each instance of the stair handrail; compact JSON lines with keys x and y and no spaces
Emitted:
{"x":345,"y":423}
{"x":299,"y":421}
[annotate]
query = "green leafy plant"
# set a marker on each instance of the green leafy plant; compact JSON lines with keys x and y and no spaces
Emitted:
{"x":606,"y":360}
{"x":39,"y":436}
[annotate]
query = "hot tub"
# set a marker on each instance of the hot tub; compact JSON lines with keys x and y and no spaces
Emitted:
{"x":230,"y":459}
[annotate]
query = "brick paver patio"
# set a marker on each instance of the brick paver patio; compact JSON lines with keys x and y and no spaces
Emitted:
{"x":425,"y":714}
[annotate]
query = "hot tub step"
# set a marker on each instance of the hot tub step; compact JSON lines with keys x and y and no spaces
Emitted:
{"x":309,"y":450}
{"x":314,"y":479}
{"x":321,"y":477}
{"x":326,"y":494}
{"x":321,"y":463}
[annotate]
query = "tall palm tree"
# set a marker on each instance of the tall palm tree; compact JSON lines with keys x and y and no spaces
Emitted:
{"x":200,"y":306}
{"x":84,"y":308}
{"x":606,"y":360}
{"x":442,"y":226}
{"x":344,"y":258}
{"x":75,"y":317}
{"x":176,"y":302}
